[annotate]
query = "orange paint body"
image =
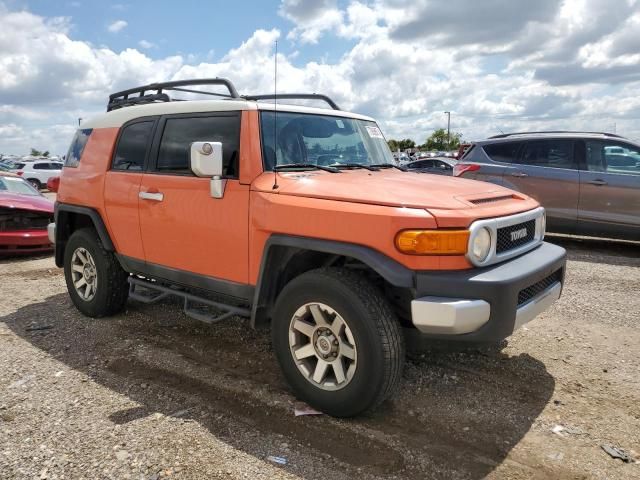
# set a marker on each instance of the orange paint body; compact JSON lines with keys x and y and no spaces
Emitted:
{"x":225,"y":238}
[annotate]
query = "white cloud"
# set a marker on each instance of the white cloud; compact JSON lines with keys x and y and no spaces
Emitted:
{"x":569,"y":72}
{"x":117,"y":26}
{"x":146,"y":44}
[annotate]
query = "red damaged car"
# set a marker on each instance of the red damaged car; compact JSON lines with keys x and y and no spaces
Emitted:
{"x":24,"y":216}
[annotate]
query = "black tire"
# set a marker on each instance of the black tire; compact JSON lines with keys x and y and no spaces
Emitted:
{"x":375,"y":329}
{"x":112,"y":287}
{"x":35,"y":183}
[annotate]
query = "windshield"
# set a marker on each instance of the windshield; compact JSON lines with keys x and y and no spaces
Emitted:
{"x":16,"y":185}
{"x":321,"y":140}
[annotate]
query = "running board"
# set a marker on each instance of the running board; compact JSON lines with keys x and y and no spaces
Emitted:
{"x":156,"y":292}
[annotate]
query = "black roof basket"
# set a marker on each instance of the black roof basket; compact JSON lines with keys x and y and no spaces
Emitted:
{"x":505,"y":135}
{"x":139,"y":95}
{"x":294,"y":96}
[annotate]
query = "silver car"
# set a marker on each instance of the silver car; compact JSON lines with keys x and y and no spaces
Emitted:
{"x":589,"y":183}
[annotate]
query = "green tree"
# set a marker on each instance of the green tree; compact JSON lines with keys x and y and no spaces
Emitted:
{"x":395,"y":145}
{"x":35,"y":153}
{"x":45,"y":153}
{"x":438,"y":140}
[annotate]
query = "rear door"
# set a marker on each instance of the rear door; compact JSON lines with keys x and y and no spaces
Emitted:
{"x":122,"y":185}
{"x":610,"y":190}
{"x":494,"y":159}
{"x":547,"y":170}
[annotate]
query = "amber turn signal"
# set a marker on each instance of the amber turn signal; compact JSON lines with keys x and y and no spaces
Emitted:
{"x":433,"y":242}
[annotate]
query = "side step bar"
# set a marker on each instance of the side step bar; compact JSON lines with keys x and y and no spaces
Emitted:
{"x":155,"y":293}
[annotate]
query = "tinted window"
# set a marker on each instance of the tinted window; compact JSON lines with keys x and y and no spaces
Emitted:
{"x":548,"y":153}
{"x":19,"y":166}
{"x":41,"y":166}
{"x":442,"y":165}
{"x":78,"y":143}
{"x":180,"y":133}
{"x":502,"y":152}
{"x":132,"y":146}
{"x":56,"y":166}
{"x":612,"y":157}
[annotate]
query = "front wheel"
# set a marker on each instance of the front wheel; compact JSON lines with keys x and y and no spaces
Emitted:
{"x":338,"y":342}
{"x":95,"y":280}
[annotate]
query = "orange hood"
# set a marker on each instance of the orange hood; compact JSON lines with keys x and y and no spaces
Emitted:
{"x":394,"y":188}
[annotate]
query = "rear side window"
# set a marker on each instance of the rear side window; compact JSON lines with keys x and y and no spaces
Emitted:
{"x":506,"y":152}
{"x":78,"y":143}
{"x":41,"y":166}
{"x":180,"y":133}
{"x":19,"y":166}
{"x":549,"y":153}
{"x":132,"y":146}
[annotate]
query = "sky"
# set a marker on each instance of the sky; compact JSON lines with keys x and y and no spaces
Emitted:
{"x":496,"y":65}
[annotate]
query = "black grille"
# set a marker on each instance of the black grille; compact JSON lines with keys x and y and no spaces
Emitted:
{"x":505,"y":242}
{"x":537,"y":288}
{"x":16,"y":219}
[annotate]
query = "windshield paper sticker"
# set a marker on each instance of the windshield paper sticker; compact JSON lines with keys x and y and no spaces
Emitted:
{"x":374,"y":132}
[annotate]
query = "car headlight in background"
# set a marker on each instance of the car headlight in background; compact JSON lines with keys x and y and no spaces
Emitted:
{"x":480,"y":245}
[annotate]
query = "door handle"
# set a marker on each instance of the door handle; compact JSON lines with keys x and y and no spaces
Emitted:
{"x":519,"y":174}
{"x":597,"y":182}
{"x":155,"y":196}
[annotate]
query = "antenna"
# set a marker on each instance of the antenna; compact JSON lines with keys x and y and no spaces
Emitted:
{"x":275,"y":118}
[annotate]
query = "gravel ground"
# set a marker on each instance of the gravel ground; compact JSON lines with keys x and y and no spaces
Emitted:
{"x":151,"y":394}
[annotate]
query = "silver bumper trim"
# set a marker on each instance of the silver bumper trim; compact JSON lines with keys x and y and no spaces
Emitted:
{"x":537,"y":305}
{"x":452,"y":316}
{"x":51,"y":232}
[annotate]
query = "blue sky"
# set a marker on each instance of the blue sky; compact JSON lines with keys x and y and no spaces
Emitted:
{"x":497,"y":65}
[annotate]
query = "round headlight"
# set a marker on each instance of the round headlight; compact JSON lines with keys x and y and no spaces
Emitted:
{"x":481,"y":245}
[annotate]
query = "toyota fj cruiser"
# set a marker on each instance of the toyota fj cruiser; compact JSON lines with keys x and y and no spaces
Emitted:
{"x":297,"y":218}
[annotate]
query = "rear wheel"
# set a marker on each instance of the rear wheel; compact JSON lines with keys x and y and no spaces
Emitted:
{"x":95,"y":280}
{"x":35,"y":183}
{"x":337,"y":341}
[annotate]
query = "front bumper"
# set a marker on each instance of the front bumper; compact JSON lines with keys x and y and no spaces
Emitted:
{"x":24,"y":241}
{"x":489,"y":303}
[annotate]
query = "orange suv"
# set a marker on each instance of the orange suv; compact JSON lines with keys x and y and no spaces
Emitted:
{"x":297,"y":218}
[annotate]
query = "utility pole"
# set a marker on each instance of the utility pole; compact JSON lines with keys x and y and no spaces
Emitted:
{"x":448,"y":114}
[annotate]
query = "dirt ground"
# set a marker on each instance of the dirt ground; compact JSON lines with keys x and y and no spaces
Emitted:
{"x":152,"y":394}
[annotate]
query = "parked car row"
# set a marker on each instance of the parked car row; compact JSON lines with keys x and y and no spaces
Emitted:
{"x":37,"y":173}
{"x":589,"y":183}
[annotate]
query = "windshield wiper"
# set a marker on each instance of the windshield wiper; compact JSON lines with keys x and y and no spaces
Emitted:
{"x":293,"y":166}
{"x":389,"y":165}
{"x":355,"y":165}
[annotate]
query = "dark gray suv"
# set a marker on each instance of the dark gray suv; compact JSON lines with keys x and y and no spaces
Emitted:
{"x":589,"y":183}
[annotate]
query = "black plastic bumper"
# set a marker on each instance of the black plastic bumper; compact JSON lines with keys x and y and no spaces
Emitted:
{"x":499,"y":285}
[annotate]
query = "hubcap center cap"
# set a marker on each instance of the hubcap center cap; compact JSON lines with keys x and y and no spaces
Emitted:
{"x":326,"y":343}
{"x":88,"y":273}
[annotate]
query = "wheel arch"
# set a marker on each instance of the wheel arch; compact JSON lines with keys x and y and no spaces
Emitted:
{"x":285,"y":257}
{"x":70,"y":218}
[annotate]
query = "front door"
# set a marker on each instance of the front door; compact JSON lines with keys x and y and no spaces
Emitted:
{"x":547,"y":171}
{"x":186,"y":233}
{"x":610,"y":190}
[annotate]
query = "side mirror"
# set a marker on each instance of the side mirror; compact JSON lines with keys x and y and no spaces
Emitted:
{"x":205,"y":160}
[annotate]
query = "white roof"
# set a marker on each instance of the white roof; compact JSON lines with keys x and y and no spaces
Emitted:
{"x":116,"y":118}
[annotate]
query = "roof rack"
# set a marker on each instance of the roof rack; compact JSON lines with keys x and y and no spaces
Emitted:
{"x":505,"y":135}
{"x":125,"y":98}
{"x":294,"y":96}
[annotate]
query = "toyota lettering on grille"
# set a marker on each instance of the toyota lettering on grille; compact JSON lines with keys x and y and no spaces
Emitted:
{"x":518,"y":234}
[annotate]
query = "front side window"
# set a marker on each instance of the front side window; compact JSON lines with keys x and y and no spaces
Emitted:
{"x":132,"y":146}
{"x":78,"y":143}
{"x":180,"y":133}
{"x":298,"y":138}
{"x":548,"y":153}
{"x":612,"y":157}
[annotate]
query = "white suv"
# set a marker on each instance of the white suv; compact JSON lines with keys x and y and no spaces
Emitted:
{"x":39,"y":172}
